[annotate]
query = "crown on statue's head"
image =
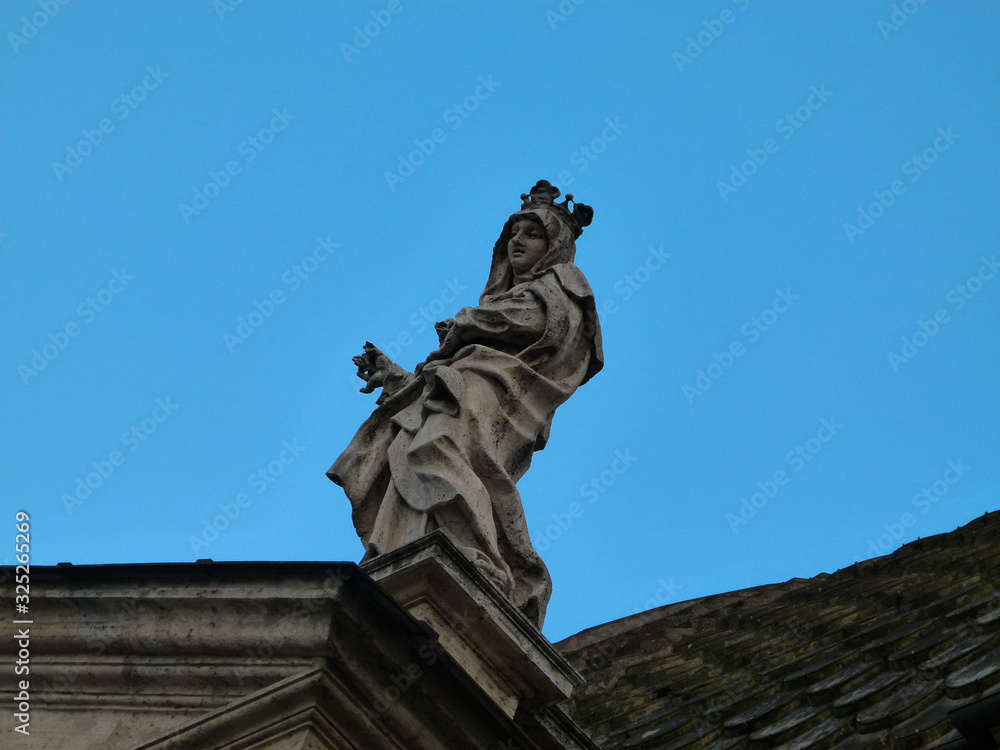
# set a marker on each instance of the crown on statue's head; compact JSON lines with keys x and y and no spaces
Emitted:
{"x":544,"y":194}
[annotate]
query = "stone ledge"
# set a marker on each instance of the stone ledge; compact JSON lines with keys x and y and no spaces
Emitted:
{"x":489,"y":638}
{"x":288,"y":715}
{"x":241,"y":656}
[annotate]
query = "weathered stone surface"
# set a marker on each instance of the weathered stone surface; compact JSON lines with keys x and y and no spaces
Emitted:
{"x":447,"y":444}
{"x":270,"y":656}
{"x":492,"y":641}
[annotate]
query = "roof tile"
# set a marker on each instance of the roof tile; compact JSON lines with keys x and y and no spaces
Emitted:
{"x":874,"y":655}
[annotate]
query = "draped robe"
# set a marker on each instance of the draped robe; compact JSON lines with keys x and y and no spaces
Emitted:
{"x":447,"y":450}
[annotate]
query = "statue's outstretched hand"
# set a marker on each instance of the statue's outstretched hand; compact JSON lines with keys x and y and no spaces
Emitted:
{"x":443,"y":327}
{"x":378,"y":371}
{"x":370,"y":369}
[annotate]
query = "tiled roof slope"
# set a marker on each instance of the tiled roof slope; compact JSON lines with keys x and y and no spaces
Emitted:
{"x":872,"y":656}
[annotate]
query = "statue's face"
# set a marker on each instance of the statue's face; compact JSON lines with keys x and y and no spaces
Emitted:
{"x":527,"y":245}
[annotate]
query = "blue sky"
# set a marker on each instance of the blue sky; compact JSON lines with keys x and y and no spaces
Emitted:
{"x":208,"y":209}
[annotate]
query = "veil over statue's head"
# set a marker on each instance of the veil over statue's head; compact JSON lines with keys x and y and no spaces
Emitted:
{"x":562,"y":227}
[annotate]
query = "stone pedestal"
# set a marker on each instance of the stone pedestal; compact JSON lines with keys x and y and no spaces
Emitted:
{"x":495,"y":645}
{"x":284,"y":656}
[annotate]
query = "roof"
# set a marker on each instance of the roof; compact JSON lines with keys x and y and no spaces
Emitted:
{"x":874,"y":655}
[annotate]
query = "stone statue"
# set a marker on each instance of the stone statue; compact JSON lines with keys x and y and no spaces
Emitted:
{"x":446,"y":444}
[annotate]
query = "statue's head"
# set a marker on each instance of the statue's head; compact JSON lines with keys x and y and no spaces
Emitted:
{"x":540,"y":235}
{"x":527,"y":244}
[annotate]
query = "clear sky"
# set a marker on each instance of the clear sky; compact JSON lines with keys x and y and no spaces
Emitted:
{"x":207,"y":209}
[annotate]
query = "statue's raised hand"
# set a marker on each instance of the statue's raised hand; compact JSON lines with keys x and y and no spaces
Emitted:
{"x":443,"y":327}
{"x":378,"y":371}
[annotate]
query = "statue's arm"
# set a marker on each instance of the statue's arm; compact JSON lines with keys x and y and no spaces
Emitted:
{"x":515,"y":321}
